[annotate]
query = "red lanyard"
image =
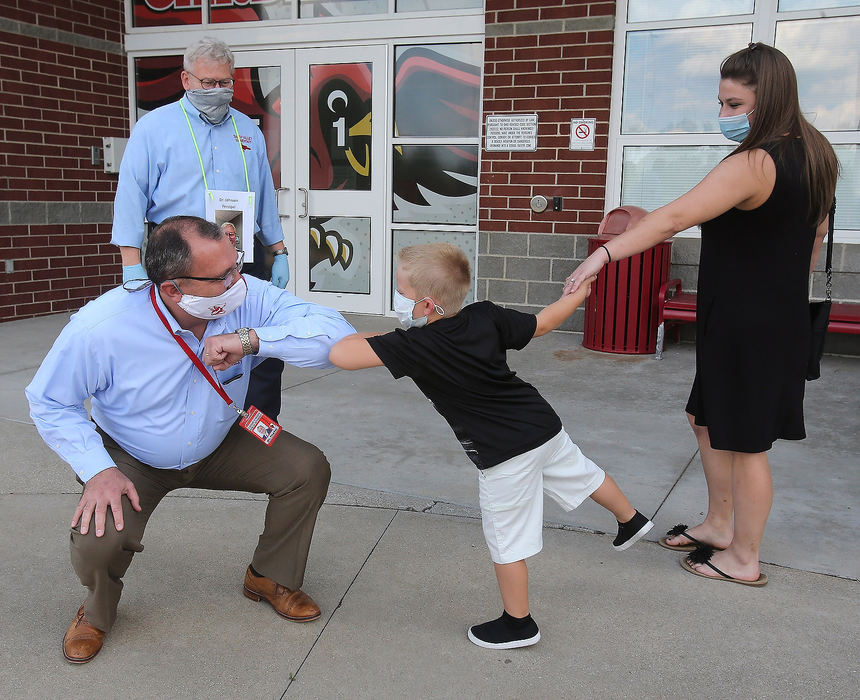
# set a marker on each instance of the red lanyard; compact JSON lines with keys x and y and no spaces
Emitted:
{"x":196,"y":360}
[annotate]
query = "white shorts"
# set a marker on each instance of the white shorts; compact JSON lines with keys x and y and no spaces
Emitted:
{"x":511,"y":495}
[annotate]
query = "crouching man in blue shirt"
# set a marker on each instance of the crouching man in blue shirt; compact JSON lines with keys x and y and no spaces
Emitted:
{"x":167,"y":370}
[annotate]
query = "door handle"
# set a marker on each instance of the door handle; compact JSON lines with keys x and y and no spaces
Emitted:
{"x":304,"y":203}
{"x":278,"y":192}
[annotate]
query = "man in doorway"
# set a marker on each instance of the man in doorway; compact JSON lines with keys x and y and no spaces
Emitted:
{"x":158,"y":426}
{"x":229,"y":230}
{"x":177,"y":155}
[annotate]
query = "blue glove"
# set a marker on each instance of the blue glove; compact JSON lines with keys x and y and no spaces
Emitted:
{"x":280,"y":271}
{"x":133,"y":272}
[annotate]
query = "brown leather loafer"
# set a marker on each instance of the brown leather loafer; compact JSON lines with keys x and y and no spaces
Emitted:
{"x":296,"y":605}
{"x":82,"y":641}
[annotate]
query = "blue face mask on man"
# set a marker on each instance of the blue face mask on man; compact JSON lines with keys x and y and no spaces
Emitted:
{"x":736,"y":127}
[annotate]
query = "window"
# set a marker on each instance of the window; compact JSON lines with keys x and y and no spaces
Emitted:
{"x":163,"y":13}
{"x":651,"y":11}
{"x":435,"y":141}
{"x":341,"y":8}
{"x":425,"y":5}
{"x":664,"y":135}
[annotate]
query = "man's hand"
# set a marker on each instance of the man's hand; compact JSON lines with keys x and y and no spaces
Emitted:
{"x":105,"y":489}
{"x":223,"y":351}
{"x":281,"y":271}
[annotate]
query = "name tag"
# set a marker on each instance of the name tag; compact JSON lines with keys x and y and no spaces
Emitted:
{"x":233,"y":211}
{"x":260,"y":425}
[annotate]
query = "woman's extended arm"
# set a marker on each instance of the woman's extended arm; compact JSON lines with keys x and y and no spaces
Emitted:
{"x":744,"y":180}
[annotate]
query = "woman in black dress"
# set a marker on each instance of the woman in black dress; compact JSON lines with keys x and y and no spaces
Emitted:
{"x":763,"y":213}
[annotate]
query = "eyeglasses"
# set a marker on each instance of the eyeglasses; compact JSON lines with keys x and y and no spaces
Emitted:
{"x":227,"y":279}
{"x":209,"y":83}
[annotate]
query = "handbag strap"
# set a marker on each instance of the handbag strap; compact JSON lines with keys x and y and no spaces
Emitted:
{"x":828,"y":264}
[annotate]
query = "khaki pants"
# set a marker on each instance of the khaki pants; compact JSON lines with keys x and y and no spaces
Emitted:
{"x":294,"y":473}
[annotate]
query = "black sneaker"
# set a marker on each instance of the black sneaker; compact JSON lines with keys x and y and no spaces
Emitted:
{"x":505,"y":632}
{"x":631,"y":532}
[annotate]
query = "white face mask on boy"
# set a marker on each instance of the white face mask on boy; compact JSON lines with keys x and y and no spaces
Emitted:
{"x":403,"y":307}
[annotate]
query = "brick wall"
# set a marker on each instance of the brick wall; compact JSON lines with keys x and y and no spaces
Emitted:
{"x":63,"y":86}
{"x":552,"y":57}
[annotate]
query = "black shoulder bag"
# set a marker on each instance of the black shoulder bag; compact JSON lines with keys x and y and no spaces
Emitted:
{"x":819,"y":311}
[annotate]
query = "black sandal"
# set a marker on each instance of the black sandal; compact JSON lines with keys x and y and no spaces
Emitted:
{"x":702,"y":555}
{"x":681,"y":529}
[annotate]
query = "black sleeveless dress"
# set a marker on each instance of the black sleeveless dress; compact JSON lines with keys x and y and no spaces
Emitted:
{"x":752,"y":318}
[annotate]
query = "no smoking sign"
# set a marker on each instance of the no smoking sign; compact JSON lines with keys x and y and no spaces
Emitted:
{"x":582,"y":134}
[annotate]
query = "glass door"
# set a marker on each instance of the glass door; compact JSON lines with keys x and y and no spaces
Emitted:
{"x":340,"y":128}
{"x":262,"y":78}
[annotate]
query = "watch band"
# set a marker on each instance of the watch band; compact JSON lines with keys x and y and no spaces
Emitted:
{"x":245,"y":338}
{"x":282,"y":251}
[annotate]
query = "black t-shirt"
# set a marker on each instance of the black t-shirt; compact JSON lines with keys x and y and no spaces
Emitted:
{"x":459,"y":364}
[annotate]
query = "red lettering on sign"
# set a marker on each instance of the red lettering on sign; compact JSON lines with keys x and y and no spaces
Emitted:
{"x":165,"y":5}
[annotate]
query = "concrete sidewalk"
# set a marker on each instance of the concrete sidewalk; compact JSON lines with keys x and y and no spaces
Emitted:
{"x":399,"y":565}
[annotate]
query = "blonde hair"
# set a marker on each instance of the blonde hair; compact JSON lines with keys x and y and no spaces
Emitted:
{"x":440,"y":271}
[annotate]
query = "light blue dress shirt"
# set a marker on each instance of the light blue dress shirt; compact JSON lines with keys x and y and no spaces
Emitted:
{"x":160,"y":173}
{"x":146,"y":393}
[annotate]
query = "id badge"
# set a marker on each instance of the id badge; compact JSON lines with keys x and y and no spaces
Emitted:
{"x":234,"y":212}
{"x":260,"y":425}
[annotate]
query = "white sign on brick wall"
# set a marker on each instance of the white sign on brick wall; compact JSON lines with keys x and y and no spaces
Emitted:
{"x":511,"y":132}
{"x":582,"y":134}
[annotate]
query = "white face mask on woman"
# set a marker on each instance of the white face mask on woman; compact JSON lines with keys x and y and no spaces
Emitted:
{"x":208,"y":308}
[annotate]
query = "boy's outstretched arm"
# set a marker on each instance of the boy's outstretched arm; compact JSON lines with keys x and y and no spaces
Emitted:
{"x":354,"y":352}
{"x":552,"y":316}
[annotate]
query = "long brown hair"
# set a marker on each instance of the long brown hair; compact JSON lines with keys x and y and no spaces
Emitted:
{"x":777,"y":117}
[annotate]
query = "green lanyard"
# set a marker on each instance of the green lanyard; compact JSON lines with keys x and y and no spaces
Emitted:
{"x":200,"y":158}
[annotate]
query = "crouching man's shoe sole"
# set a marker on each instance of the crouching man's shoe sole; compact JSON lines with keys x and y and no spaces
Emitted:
{"x":296,"y":606}
{"x":82,"y":641}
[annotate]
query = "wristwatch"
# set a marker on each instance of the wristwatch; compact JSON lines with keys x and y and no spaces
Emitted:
{"x":245,"y":338}
{"x":282,"y":251}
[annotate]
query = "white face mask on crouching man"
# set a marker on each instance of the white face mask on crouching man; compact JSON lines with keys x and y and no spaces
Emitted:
{"x":208,"y":308}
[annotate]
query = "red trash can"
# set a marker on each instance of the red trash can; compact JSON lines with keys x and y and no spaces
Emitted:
{"x":621,"y":311}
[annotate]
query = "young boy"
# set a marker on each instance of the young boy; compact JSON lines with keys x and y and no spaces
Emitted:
{"x":456,"y":357}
